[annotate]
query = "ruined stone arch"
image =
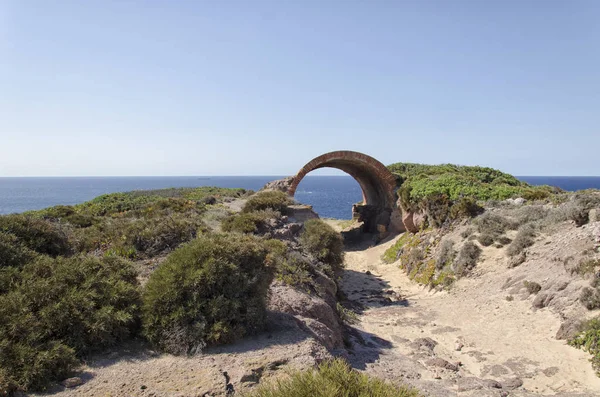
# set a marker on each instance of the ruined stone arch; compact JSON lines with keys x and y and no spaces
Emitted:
{"x":378,"y":185}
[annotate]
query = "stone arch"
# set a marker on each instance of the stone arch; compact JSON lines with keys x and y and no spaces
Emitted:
{"x":378,"y":186}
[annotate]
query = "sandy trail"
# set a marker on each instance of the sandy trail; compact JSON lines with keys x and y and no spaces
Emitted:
{"x":502,"y":339}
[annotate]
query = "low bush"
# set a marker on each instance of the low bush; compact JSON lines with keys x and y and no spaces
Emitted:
{"x":532,"y":287}
{"x":590,"y":296}
{"x":465,"y":207}
{"x":36,"y":234}
{"x":324,"y":243}
{"x":138,"y":237}
{"x":525,"y":238}
{"x":331,"y":379}
{"x":60,"y":309}
{"x":249,"y":222}
{"x":531,"y":213}
{"x":268,"y":200}
{"x":209,"y":291}
{"x":466,"y":233}
{"x":494,"y":224}
{"x":576,"y":209}
{"x":419,"y":181}
{"x":65,"y":214}
{"x":446,"y":254}
{"x":154,"y":236}
{"x":12,"y":253}
{"x":485,"y":239}
{"x":467,"y":258}
{"x":586,"y":266}
{"x":437,"y":208}
{"x":589,"y":341}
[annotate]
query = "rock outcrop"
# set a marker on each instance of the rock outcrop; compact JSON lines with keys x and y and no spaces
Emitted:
{"x":280,"y":184}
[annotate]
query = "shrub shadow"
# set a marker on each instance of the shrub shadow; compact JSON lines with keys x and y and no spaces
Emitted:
{"x":364,"y":290}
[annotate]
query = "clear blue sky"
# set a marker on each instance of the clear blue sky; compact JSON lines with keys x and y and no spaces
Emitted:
{"x":260,"y":87}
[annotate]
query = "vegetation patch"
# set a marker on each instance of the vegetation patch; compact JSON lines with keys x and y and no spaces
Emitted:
{"x":525,"y":238}
{"x":36,"y":234}
{"x":586,"y":266}
{"x":532,"y":287}
{"x":249,"y":222}
{"x":422,"y":181}
{"x":274,"y":200}
{"x":324,"y":243}
{"x":209,"y":291}
{"x":391,"y":254}
{"x":59,"y":309}
{"x":446,"y":254}
{"x":467,"y":258}
{"x":331,"y":379}
{"x":590,"y":296}
{"x":589,"y":341}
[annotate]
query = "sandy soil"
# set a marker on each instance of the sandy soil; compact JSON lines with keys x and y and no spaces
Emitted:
{"x":499,"y":339}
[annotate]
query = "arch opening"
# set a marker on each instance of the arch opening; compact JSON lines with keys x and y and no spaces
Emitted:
{"x":331,"y":194}
{"x":378,"y":211}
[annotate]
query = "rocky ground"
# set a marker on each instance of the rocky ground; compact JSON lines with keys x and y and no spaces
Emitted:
{"x":470,"y":341}
{"x":486,"y":336}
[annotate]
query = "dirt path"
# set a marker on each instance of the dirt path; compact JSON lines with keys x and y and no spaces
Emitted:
{"x":474,"y":324}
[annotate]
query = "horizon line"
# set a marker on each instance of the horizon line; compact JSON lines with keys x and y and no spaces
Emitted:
{"x":248,"y":176}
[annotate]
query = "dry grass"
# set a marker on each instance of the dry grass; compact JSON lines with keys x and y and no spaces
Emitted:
{"x":331,"y":379}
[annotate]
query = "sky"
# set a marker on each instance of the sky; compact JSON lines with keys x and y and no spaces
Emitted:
{"x":109,"y":88}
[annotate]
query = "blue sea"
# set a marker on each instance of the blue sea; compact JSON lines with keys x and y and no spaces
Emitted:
{"x":330,"y":196}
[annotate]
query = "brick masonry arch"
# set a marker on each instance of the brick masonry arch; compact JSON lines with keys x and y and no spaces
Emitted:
{"x":378,"y":186}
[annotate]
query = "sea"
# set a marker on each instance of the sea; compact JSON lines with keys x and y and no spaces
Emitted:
{"x":330,"y":196}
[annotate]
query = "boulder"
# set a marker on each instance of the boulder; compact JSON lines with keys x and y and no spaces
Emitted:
{"x":441,"y":363}
{"x":594,"y":215}
{"x":280,"y":184}
{"x":511,"y":384}
{"x":314,"y":312}
{"x":408,"y":221}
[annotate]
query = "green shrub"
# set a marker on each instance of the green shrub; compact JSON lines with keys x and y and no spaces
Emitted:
{"x":133,"y":237}
{"x":36,"y":234}
{"x":144,"y":202}
{"x":12,"y":253}
{"x":209,"y":291}
{"x":290,"y":266}
{"x":60,"y":309}
{"x":268,"y":200}
{"x":532,"y":287}
{"x":294,"y":270}
{"x":449,"y":191}
{"x":324,"y":243}
{"x":465,"y":207}
{"x":65,"y":214}
{"x":249,"y":222}
{"x":331,"y":379}
{"x":467,"y":258}
{"x":437,"y":208}
{"x":524,"y":238}
{"x":589,"y":341}
{"x":162,"y":234}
